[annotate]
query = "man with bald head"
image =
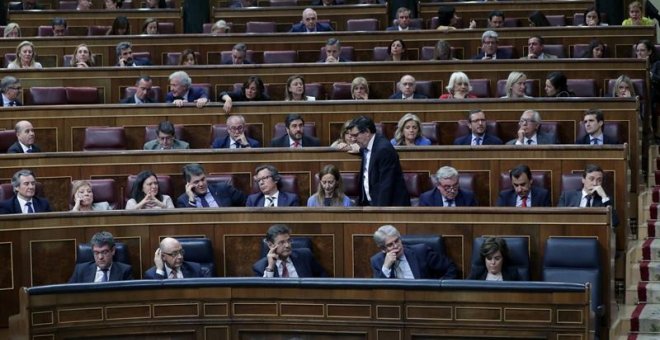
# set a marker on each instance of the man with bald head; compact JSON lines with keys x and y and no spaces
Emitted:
{"x":169,"y":263}
{"x":236,"y":137}
{"x":309,"y":23}
{"x":529,"y":132}
{"x":407,"y":86}
{"x":25,"y":135}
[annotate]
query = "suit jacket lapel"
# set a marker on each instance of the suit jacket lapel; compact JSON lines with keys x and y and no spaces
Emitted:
{"x":90,"y":272}
{"x":412,"y":262}
{"x":437,"y":196}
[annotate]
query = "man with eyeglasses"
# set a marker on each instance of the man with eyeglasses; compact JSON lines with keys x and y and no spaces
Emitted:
{"x":199,"y":194}
{"x":407,"y":86}
{"x":283,"y":260}
{"x":477,"y":124}
{"x":447,"y":192}
{"x":235,"y":138}
{"x":489,"y":49}
{"x":523,"y":194}
{"x":103,"y":268}
{"x":270,"y":182}
{"x":142,"y":92}
{"x":418,"y":261}
{"x":165,"y":139}
{"x":11,"y":89}
{"x":169,"y":263}
{"x":529,"y":133}
{"x":309,"y":23}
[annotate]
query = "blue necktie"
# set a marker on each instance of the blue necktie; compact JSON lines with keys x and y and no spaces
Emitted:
{"x":202,"y":198}
{"x":595,"y":141}
{"x":29,"y":207}
{"x":530,"y":141}
{"x":29,"y":150}
{"x":477,"y":141}
{"x":104,"y":278}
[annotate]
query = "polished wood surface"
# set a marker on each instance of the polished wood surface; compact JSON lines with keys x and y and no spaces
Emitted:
{"x":342,"y":238}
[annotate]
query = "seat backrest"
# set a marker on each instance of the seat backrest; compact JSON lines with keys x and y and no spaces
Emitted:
{"x":315,"y":90}
{"x":104,"y":190}
{"x":511,"y":22}
{"x":480,"y":87}
{"x":276,"y":3}
{"x":68,"y":5}
{"x":289,"y":184}
{"x":434,"y":242}
{"x":431,"y":130}
{"x":260,"y":27}
{"x":462,"y":128}
{"x":556,"y":49}
{"x":144,"y":57}
{"x":425,"y":87}
{"x":45,"y":31}
{"x":206,"y":87}
{"x":416,"y":184}
{"x":341,"y":91}
{"x":46,"y":96}
{"x":507,"y":52}
{"x":280,"y":57}
{"x":82,"y":95}
{"x":9,"y":57}
{"x":166,"y":28}
{"x":583,"y":87}
{"x":104,"y":138}
{"x":85,"y":254}
{"x":220,"y":131}
{"x":296,"y":243}
{"x":151,"y":134}
{"x":7,"y":138}
{"x":98,"y":30}
{"x":199,"y":250}
{"x":309,"y":129}
{"x":6,"y":191}
{"x":518,"y":257}
{"x":612,"y":130}
{"x":556,"y":20}
{"x":540,"y":179}
{"x":551,"y":129}
{"x":346,"y":52}
{"x":379,"y":54}
{"x":164,"y":186}
{"x":154,"y":94}
{"x":369,"y":24}
{"x":531,"y":88}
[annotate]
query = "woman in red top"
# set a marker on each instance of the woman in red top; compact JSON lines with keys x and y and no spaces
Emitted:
{"x":459,"y":87}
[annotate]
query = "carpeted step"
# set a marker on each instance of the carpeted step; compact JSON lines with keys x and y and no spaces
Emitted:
{"x":638,"y":336}
{"x":649,"y":270}
{"x":651,"y":249}
{"x":646,"y":319}
{"x":648,"y":292}
{"x":655,"y":191}
{"x":653,"y":210}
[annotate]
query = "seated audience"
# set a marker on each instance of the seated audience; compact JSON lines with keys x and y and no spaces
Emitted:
{"x":253,"y":90}
{"x":332,"y":52}
{"x":360,"y":88}
{"x":330,"y":191}
{"x":594,"y":120}
{"x":442,"y":51}
{"x":10,"y":87}
{"x":295,"y":134}
{"x":112,"y":4}
{"x":25,"y":136}
{"x":623,"y":87}
{"x":409,"y":132}
{"x":169,"y":263}
{"x":84,"y":5}
{"x":523,"y":194}
{"x":155,"y":4}
{"x":327,"y":2}
{"x":269,"y":181}
{"x":188,"y":58}
{"x":592,"y":18}
{"x":24,"y":5}
{"x":124,"y":52}
{"x":403,"y":20}
{"x":103,"y":268}
{"x":458,"y":87}
{"x":538,"y":19}
{"x":58,"y":25}
{"x":535,"y":46}
{"x":243,"y":3}
{"x":236,"y":138}
{"x":220,"y":27}
{"x":407,"y":89}
{"x":396,"y":261}
{"x":494,"y":254}
{"x":199,"y":194}
{"x":120,"y":26}
{"x":397,"y":51}
{"x":495,"y":19}
{"x":636,"y":16}
{"x":479,"y":135}
{"x":12,"y":30}
{"x":447,"y":192}
{"x":556,"y":85}
{"x":145,"y":193}
{"x":82,"y":57}
{"x":529,"y":133}
{"x":150,"y":26}
{"x":596,"y":49}
{"x":181,"y":91}
{"x":447,"y":18}
{"x":295,"y":89}
{"x":238,"y":53}
{"x":26,"y":54}
{"x":309,"y":23}
{"x":24,"y":200}
{"x":83,"y":198}
{"x":489,"y":51}
{"x":283,"y":260}
{"x":142,"y":92}
{"x":592,"y":193}
{"x":346,"y":142}
{"x":516,"y":85}
{"x":165,"y":139}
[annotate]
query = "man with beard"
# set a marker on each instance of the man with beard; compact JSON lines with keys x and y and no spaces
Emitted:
{"x":282,"y":260}
{"x":124,"y":52}
{"x":199,"y":194}
{"x":523,"y":194}
{"x":295,"y":134}
{"x":477,"y":123}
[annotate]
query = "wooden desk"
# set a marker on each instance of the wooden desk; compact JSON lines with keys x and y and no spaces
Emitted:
{"x":342,"y":238}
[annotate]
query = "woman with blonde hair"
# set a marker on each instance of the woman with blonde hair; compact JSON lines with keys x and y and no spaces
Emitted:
{"x":330,"y":192}
{"x":83,"y":198}
{"x":12,"y":30}
{"x":458,"y":87}
{"x":360,"y":88}
{"x":25,"y":56}
{"x":623,"y":87}
{"x":82,"y":57}
{"x":346,"y":142}
{"x":515,"y":85}
{"x":409,"y":132}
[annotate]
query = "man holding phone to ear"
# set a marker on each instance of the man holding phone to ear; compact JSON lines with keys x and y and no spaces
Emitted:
{"x":169,"y":263}
{"x":282,"y":260}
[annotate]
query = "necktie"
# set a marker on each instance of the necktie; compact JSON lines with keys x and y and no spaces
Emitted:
{"x":477,"y":141}
{"x":524,"y":202}
{"x":29,"y":150}
{"x":205,"y":203}
{"x":12,"y":103}
{"x":104,"y":278}
{"x":595,"y":141}
{"x":588,"y":201}
{"x":285,"y":270}
{"x":296,"y":145}
{"x":237,"y":145}
{"x":271,"y":201}
{"x":451,"y":203}
{"x":173,"y":274}
{"x":393,"y":269}
{"x":29,"y":207}
{"x":530,"y":141}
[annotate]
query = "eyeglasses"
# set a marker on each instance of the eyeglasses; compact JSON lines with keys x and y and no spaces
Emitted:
{"x":175,"y":253}
{"x":408,"y":84}
{"x":452,"y":188}
{"x":259,"y":179}
{"x":526,"y":121}
{"x":393,"y":243}
{"x":237,"y":128}
{"x":18,"y":88}
{"x":104,"y":253}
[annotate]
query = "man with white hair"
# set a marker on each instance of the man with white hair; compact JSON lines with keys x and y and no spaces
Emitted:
{"x":529,"y":133}
{"x":447,"y":192}
{"x":181,"y":91}
{"x":309,"y":23}
{"x":489,"y":49}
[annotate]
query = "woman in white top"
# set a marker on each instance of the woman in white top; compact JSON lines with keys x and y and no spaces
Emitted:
{"x":25,"y":56}
{"x":84,"y":198}
{"x":515,"y":86}
{"x":295,"y":89}
{"x":145,"y":193}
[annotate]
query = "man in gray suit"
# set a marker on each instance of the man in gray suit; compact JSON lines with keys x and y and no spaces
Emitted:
{"x":529,"y":134}
{"x":592,"y":193}
{"x":535,"y":46}
{"x":165,"y":139}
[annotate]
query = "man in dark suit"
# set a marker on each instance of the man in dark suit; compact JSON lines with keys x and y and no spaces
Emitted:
{"x":181,"y":91}
{"x":24,"y":200}
{"x":238,"y":55}
{"x":529,"y":133}
{"x":169,"y":263}
{"x":236,"y":138}
{"x":124,"y":51}
{"x":282,"y":260}
{"x":332,"y":52}
{"x":199,"y":194}
{"x":142,"y":92}
{"x":403,"y":20}
{"x":309,"y":23}
{"x":479,"y":136}
{"x":447,"y":193}
{"x":523,"y":194}
{"x":25,"y":5}
{"x":593,"y":120}
{"x":395,"y":261}
{"x":11,"y":89}
{"x":295,"y":134}
{"x":269,"y":195}
{"x":489,"y":49}
{"x":406,"y":90}
{"x":102,"y":269}
{"x":381,"y":177}
{"x":592,"y":193}
{"x":165,"y":139}
{"x":25,"y":139}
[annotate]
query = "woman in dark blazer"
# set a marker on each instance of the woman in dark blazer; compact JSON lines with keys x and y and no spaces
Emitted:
{"x":494,"y":255}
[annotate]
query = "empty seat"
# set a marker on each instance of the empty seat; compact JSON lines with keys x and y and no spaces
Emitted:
{"x":151,"y":134}
{"x":556,"y":20}
{"x":518,"y":257}
{"x":428,"y":52}
{"x":45,"y":31}
{"x":164,"y":186}
{"x":143,"y":57}
{"x":104,"y":190}
{"x":280,"y":57}
{"x":199,"y":250}
{"x":341,"y":91}
{"x":416,"y":185}
{"x":206,"y":87}
{"x":583,"y":87}
{"x":555,"y":49}
{"x":166,"y":28}
{"x":480,"y":87}
{"x":104,"y":138}
{"x":315,"y":90}
{"x":98,"y":30}
{"x":154,"y":94}
{"x":345,"y":53}
{"x":82,"y":95}
{"x":7,"y":138}
{"x":507,"y":52}
{"x":511,"y":22}
{"x":531,"y":88}
{"x":309,"y":129}
{"x":380,"y":53}
{"x":68,"y":5}
{"x":85,"y":254}
{"x":9,"y":57}
{"x":46,"y":96}
{"x":369,"y":24}
{"x":275,"y":3}
{"x":425,"y":87}
{"x":431,"y":130}
{"x":260,"y":27}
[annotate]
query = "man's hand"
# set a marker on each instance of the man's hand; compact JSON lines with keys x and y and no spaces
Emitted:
{"x":521,"y":136}
{"x":178,"y":102}
{"x":201,"y":102}
{"x":390,"y":258}
{"x":190,"y":192}
{"x":228,"y":103}
{"x":272,"y":257}
{"x":600,"y":191}
{"x":158,"y":260}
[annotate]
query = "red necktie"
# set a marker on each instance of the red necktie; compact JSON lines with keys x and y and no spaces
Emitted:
{"x":524,"y":202}
{"x":296,"y":144}
{"x":285,"y":270}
